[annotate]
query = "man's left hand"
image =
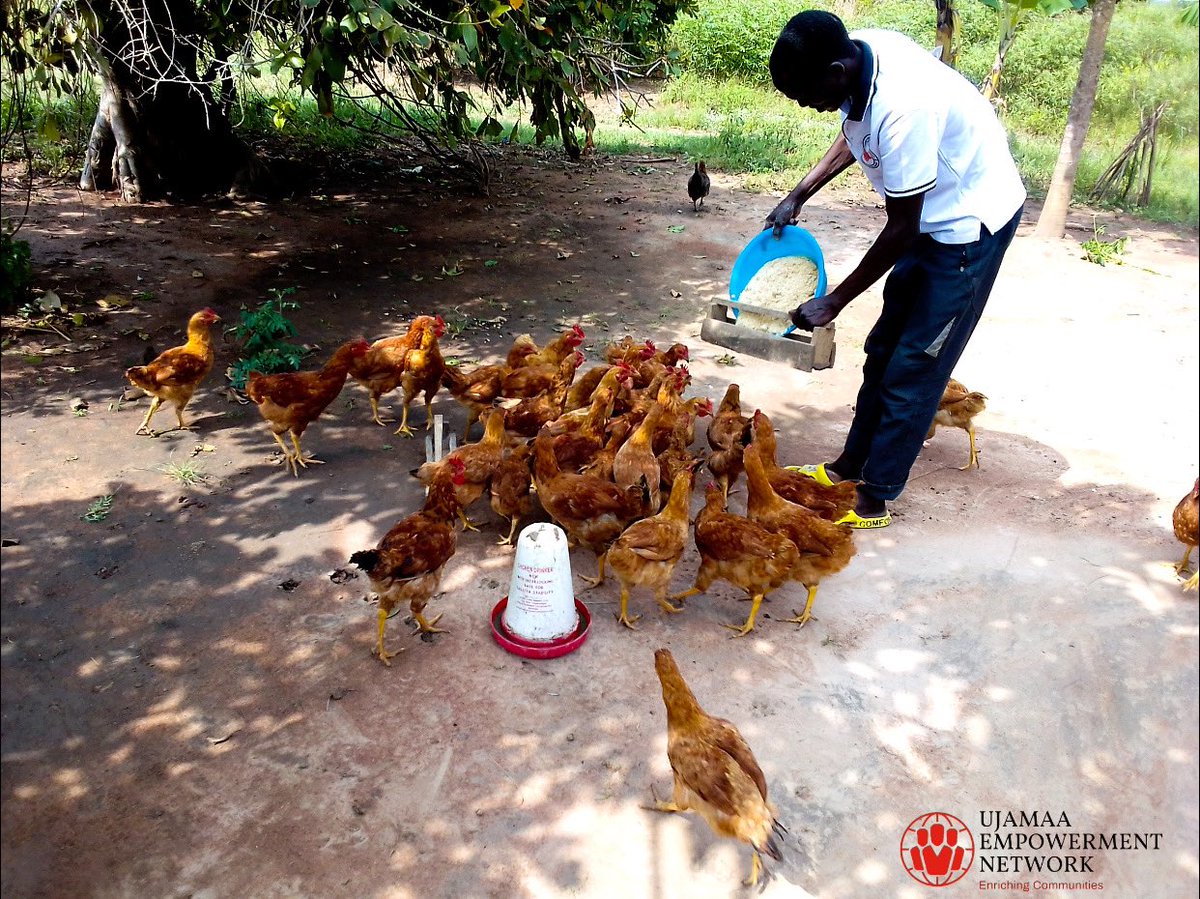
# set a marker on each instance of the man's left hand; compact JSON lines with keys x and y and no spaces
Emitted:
{"x":816,"y":313}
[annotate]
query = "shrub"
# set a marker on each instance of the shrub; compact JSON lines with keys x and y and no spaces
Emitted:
{"x":263,"y":336}
{"x":15,"y":271}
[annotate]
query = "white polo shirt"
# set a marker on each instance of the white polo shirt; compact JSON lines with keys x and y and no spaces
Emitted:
{"x":926,"y":129}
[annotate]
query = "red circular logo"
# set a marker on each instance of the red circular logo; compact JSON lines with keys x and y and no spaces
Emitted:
{"x":937,"y":849}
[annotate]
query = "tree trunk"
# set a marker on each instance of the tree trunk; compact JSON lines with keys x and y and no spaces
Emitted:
{"x":947,"y":31}
{"x":1053,"y":220}
{"x":155,"y":135}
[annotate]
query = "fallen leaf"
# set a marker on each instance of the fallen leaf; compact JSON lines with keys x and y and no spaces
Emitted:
{"x":676,"y":294}
{"x":196,"y":273}
{"x":631,"y":253}
{"x":113,"y":301}
{"x":289,"y":585}
{"x":49,"y":300}
{"x":203,"y":448}
{"x":341,"y":575}
{"x":563,"y":254}
{"x":215,"y":740}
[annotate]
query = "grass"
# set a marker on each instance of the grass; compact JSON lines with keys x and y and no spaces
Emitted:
{"x":99,"y":509}
{"x":189,"y":474}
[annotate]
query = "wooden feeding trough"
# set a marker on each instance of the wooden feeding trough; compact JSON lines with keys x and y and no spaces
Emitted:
{"x":800,"y":349}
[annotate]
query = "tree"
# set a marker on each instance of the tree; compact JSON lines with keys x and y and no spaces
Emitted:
{"x":170,"y":71}
{"x":1053,"y":220}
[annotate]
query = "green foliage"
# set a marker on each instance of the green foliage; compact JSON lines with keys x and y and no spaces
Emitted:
{"x":1102,"y":252}
{"x":15,"y":271}
{"x":262,"y":335}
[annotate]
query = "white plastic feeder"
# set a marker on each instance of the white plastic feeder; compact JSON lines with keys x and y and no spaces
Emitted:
{"x":541,"y":600}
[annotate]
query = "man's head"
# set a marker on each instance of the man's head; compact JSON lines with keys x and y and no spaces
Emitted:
{"x":814,"y":60}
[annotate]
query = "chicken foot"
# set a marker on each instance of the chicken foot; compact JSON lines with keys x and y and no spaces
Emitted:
{"x":144,"y":427}
{"x":973,"y":458}
{"x":507,"y":541}
{"x":661,"y":805}
{"x":300,"y":459}
{"x":1182,"y":565}
{"x":599,"y":578}
{"x":468,"y":524}
{"x":375,"y":413}
{"x":803,"y":618}
{"x":427,"y":627}
{"x":384,"y":655}
{"x":623,"y":616}
{"x":749,"y":625}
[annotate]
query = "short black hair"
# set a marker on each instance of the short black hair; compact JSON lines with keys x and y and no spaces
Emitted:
{"x":808,"y":44}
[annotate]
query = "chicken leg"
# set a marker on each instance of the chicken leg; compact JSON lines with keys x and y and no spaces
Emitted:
{"x":375,"y":412}
{"x":287,"y":453}
{"x":660,"y":597}
{"x":144,"y":427}
{"x":803,"y":617}
{"x":300,"y":459}
{"x":384,"y":656}
{"x":1182,"y":565}
{"x":973,"y":458}
{"x":749,"y":625}
{"x":599,"y":578}
{"x":507,"y":541}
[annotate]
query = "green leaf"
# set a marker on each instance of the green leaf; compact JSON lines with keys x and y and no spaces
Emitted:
{"x":470,"y":37}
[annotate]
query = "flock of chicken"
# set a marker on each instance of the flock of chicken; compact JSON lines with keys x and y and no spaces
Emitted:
{"x":608,"y":456}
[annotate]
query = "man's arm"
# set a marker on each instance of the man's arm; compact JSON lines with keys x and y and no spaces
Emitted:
{"x":835,"y":161}
{"x":902,"y":228}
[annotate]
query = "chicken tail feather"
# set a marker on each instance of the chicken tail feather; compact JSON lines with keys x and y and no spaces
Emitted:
{"x":365,"y":559}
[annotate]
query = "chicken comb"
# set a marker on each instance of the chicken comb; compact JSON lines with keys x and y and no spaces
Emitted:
{"x":577,"y":331}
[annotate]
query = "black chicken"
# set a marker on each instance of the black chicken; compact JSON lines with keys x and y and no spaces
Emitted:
{"x":698,"y":185}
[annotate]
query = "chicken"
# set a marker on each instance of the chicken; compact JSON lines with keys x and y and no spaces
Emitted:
{"x":581,"y":434}
{"x":479,"y":461}
{"x":523,"y":346}
{"x":714,"y":771}
{"x":698,"y":185}
{"x":381,"y":370}
{"x":728,"y":433}
{"x":627,"y":351}
{"x":407,"y":563}
{"x":580,"y":393}
{"x":831,"y":503}
{"x":1186,"y":521}
{"x":527,"y":416}
{"x":532,"y":380}
{"x":678,"y":424}
{"x":592,"y":511}
{"x":176,"y":373}
{"x":738,"y":550}
{"x":646,"y":553}
{"x":663,"y":361}
{"x":601,"y":464}
{"x":423,"y":370}
{"x":510,"y":493}
{"x":291,"y":401}
{"x":957,"y":409}
{"x":476,"y":389}
{"x":635,"y":459}
{"x":825,"y":548}
{"x":557,"y":349}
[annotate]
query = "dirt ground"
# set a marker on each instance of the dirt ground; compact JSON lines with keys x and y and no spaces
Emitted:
{"x":190,"y":705}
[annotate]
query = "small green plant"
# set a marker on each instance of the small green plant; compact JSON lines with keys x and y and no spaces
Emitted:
{"x":189,"y":474}
{"x":263,"y":335}
{"x":99,"y":509}
{"x":1103,"y":252}
{"x":15,"y":271}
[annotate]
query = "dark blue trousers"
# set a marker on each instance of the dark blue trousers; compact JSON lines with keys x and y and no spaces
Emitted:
{"x":932,"y":301}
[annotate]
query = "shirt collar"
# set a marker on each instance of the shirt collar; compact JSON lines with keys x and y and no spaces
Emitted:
{"x":856,"y":106}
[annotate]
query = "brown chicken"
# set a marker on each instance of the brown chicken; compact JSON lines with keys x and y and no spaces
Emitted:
{"x":476,"y":389}
{"x":601,"y":464}
{"x":381,"y":370}
{"x":510,"y":493}
{"x":291,"y":401}
{"x":646,"y":553}
{"x":831,"y":503}
{"x":176,"y":373}
{"x":714,"y":772}
{"x":957,"y":409}
{"x":662,"y":361}
{"x":527,"y":416}
{"x":532,"y":380}
{"x":738,"y":550}
{"x":581,"y":434}
{"x":728,"y":434}
{"x":1186,"y":521}
{"x":825,"y":548}
{"x":423,"y":369}
{"x":636,"y":460}
{"x":698,"y":185}
{"x":409,"y":560}
{"x":523,"y":346}
{"x":557,"y":349}
{"x":592,"y":511}
{"x":478,"y":460}
{"x":628,"y":351}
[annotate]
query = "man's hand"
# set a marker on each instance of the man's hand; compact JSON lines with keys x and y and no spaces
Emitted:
{"x":816,"y":313}
{"x":783,"y":214}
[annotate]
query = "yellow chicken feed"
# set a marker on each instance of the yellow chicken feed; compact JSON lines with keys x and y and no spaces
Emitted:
{"x":781,"y":284}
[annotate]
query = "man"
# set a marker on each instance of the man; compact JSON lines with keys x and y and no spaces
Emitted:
{"x":932,"y":146}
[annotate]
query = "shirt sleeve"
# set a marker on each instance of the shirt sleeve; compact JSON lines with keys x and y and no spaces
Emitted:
{"x":908,"y":151}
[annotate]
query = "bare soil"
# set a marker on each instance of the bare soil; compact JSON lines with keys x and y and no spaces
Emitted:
{"x":190,"y":705}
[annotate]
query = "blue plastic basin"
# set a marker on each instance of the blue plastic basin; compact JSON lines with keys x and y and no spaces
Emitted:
{"x":764,"y":247}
